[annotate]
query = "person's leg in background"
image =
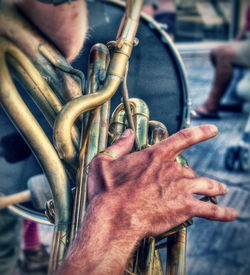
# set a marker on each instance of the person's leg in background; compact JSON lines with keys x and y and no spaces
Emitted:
{"x":35,"y":255}
{"x":10,"y":239}
{"x":224,"y":58}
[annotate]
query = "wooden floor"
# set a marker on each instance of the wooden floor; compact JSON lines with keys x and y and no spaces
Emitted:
{"x":215,"y":247}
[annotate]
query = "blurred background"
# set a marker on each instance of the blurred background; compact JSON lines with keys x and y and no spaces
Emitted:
{"x":201,"y":28}
{"x":199,"y":54}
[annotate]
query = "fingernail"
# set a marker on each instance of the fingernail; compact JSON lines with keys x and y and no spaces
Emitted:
{"x":235,"y":213}
{"x":214,"y":129}
{"x":225,"y":187}
{"x":126,"y":133}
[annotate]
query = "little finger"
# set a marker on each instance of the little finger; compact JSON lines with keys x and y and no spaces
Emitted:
{"x":214,"y":212}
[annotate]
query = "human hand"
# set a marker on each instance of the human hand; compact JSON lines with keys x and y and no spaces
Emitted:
{"x":148,"y":191}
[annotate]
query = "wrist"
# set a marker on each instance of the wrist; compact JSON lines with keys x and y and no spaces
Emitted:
{"x":117,"y":215}
{"x":105,"y":242}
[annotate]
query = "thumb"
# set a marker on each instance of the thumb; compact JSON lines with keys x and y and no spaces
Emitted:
{"x":123,"y":145}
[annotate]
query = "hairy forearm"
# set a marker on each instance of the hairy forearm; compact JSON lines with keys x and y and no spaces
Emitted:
{"x":137,"y":195}
{"x":105,"y":242}
{"x":64,"y":25}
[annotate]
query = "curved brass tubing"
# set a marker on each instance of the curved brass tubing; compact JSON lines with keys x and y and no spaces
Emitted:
{"x":72,"y":110}
{"x":140,"y":113}
{"x":117,"y":68}
{"x":45,"y":57}
{"x":147,"y":259}
{"x":39,"y":90}
{"x":94,"y":131}
{"x":36,"y":138}
{"x":45,"y":99}
{"x":140,"y":116}
{"x":157,"y":131}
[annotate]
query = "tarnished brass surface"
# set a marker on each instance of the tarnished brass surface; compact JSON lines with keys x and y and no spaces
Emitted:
{"x":34,"y":135}
{"x":115,"y":74}
{"x":94,"y":131}
{"x":176,"y":253}
{"x":57,"y":89}
{"x":50,"y":87}
{"x":146,"y":260}
{"x":29,"y":40}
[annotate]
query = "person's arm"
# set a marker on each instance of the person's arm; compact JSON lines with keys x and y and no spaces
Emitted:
{"x":241,"y":33}
{"x":133,"y":195}
{"x":65,"y":25}
{"x":137,"y":195}
{"x":105,"y":241}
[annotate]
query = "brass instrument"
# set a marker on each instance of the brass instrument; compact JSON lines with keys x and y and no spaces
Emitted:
{"x":57,"y":89}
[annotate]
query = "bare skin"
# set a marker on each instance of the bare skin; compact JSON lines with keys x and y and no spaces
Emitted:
{"x":149,"y":10}
{"x":134,"y":195}
{"x":65,"y":25}
{"x":223,"y":58}
{"x":137,"y":195}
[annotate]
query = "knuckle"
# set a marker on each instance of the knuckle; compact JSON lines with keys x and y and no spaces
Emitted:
{"x":210,"y":184}
{"x":183,"y":186}
{"x":189,"y":203}
{"x":189,"y":185}
{"x":175,"y":166}
{"x":153,"y":153}
{"x":185,"y":134}
{"x":214,"y":210}
{"x":189,"y":208}
{"x":215,"y":186}
{"x":188,"y":171}
{"x":182,"y":183}
{"x":98,"y":159}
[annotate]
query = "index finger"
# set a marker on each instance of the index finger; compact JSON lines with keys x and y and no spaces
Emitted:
{"x":183,"y":139}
